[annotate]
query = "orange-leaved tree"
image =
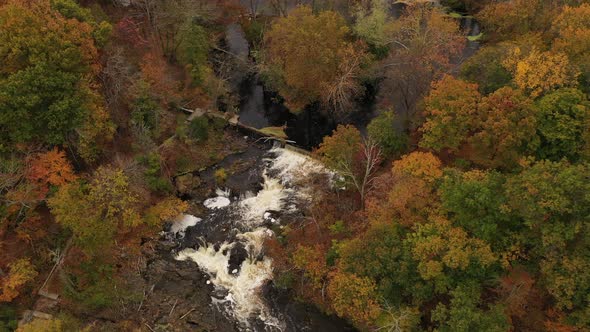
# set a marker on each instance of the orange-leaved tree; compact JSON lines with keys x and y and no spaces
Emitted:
{"x":50,"y":168}
{"x":506,"y":129}
{"x":407,"y":194}
{"x":307,"y":55}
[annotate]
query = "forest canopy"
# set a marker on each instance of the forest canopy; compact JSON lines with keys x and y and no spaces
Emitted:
{"x":457,"y":152}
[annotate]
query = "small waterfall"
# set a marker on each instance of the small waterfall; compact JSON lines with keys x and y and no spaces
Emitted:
{"x":270,"y":198}
{"x":237,"y":267}
{"x":183,"y":222}
{"x":242,"y":299}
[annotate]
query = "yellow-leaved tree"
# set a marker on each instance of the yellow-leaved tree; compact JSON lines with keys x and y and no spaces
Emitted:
{"x":572,"y":36}
{"x":20,"y":273}
{"x":354,"y":297}
{"x":539,"y":72}
{"x":108,"y":205}
{"x":94,"y":212}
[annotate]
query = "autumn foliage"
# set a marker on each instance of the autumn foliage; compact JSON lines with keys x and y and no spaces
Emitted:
{"x":20,"y":272}
{"x":310,"y":54}
{"x":463,"y":207}
{"x":50,"y":168}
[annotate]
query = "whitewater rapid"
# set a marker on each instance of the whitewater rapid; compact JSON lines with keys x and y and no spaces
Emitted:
{"x":283,"y":192}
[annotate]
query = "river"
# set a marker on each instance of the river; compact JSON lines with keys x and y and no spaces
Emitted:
{"x":227,"y":241}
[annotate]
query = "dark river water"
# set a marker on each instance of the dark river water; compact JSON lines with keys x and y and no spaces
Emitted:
{"x":260,"y":108}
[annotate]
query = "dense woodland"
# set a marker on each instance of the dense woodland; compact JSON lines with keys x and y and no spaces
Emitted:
{"x":465,"y":203}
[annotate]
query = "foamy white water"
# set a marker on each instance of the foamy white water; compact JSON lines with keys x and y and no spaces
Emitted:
{"x":278,"y":195}
{"x":292,"y":165}
{"x":181,"y":223}
{"x":270,"y":198}
{"x":222,"y":200}
{"x":243,"y":287}
{"x":216,"y":202}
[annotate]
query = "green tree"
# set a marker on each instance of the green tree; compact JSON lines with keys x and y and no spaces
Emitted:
{"x":372,"y":25}
{"x":38,"y":103}
{"x":554,"y":201}
{"x":193,"y":50}
{"x":198,"y":129}
{"x":382,"y":261}
{"x":552,"y":198}
{"x":381,"y":129}
{"x":567,"y":278}
{"x":476,"y":201}
{"x":339,"y":150}
{"x":72,"y":209}
{"x":49,"y":63}
{"x":447,"y":255}
{"x":71,"y":9}
{"x":145,"y":109}
{"x":562,"y":118}
{"x":464,"y":312}
{"x":486,"y":69}
{"x":153,"y":174}
{"x":8,"y":318}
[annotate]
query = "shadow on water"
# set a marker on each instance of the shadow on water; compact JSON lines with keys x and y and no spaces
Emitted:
{"x":260,"y":108}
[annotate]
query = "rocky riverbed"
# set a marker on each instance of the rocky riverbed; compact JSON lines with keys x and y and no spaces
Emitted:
{"x":209,"y":271}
